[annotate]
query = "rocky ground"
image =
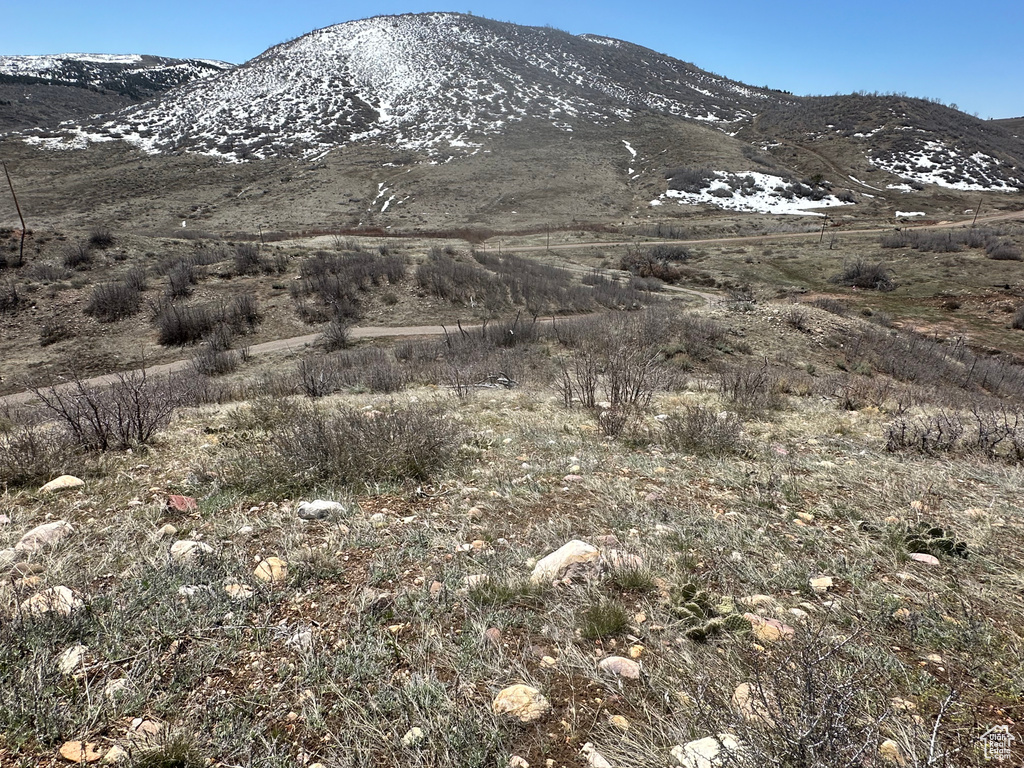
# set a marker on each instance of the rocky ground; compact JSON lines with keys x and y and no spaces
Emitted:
{"x":726,"y":570}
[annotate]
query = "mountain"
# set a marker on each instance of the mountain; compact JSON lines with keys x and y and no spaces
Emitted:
{"x":446,"y":119}
{"x":37,"y":91}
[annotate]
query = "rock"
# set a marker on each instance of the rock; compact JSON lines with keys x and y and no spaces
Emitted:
{"x":115,"y":689}
{"x":618,"y":721}
{"x":594,"y":758}
{"x":191,"y":590}
{"x":80,"y":752}
{"x":751,"y":707}
{"x":517,"y":762}
{"x":144,"y":731}
{"x":187,"y":551}
{"x":821,"y":584}
{"x":59,"y":601}
{"x":319,"y":509}
{"x":62,"y":483}
{"x":768,"y":630}
{"x":902,"y":705}
{"x":554,"y":565}
{"x":413,"y":737}
{"x":572,"y":479}
{"x":238,"y":591}
{"x":301,"y":641}
{"x":181,"y":504}
{"x":436,"y":587}
{"x":476,"y":580}
{"x":492,"y":637}
{"x":704,"y":753}
{"x":8,"y":557}
{"x":378,"y":520}
{"x":620,"y":666}
{"x":890,"y":753}
{"x":166,"y":531}
{"x":922,"y":557}
{"x":607,"y":541}
{"x":5,"y":520}
{"x":29,"y":582}
{"x":27,"y":570}
{"x":116,"y":754}
{"x":44,"y":536}
{"x":522,"y":702}
{"x":636,"y":651}
{"x":273,"y":570}
{"x":72,"y":660}
{"x":760,"y":601}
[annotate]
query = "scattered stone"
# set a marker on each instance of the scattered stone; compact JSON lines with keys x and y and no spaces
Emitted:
{"x":62,"y":483}
{"x":413,"y":737}
{"x":922,"y":557}
{"x":187,"y":551}
{"x":476,"y":580}
{"x":60,"y":601}
{"x":116,"y":688}
{"x":191,"y":590}
{"x":704,"y":753}
{"x":5,"y":520}
{"x":760,"y":601}
{"x":902,"y":705}
{"x":166,"y":531}
{"x":522,"y":702}
{"x":238,"y":591}
{"x":301,"y":641}
{"x":934,"y":658}
{"x":550,"y":662}
{"x":80,"y":752}
{"x":517,"y":762}
{"x":572,"y":479}
{"x":273,"y":570}
{"x":620,"y":666}
{"x":492,"y":636}
{"x":436,"y":587}
{"x":8,"y":557}
{"x":378,"y":520}
{"x":144,"y":731}
{"x":751,"y":708}
{"x":72,"y":661}
{"x":636,"y":651}
{"x":890,"y":753}
{"x":618,"y":721}
{"x":554,"y":566}
{"x":799,"y":614}
{"x":44,"y":536}
{"x":594,"y":758}
{"x":821,"y":584}
{"x":181,"y":504}
{"x":622,"y":561}
{"x":319,"y":509}
{"x":116,"y":754}
{"x":901,"y":614}
{"x":768,"y":630}
{"x":245,"y":530}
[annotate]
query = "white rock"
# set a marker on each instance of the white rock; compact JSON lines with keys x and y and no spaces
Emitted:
{"x":8,"y":557}
{"x":62,"y":483}
{"x":72,"y":660}
{"x":238,"y":591}
{"x":704,"y":753}
{"x":378,"y":519}
{"x":413,"y":737}
{"x":620,"y":666}
{"x":522,"y":702}
{"x":319,"y":509}
{"x":166,"y":531}
{"x":550,"y":566}
{"x":5,"y":520}
{"x":58,"y":600}
{"x":594,"y":758}
{"x":191,"y":590}
{"x":187,"y":551}
{"x":116,"y":688}
{"x":301,"y":641}
{"x":45,"y":535}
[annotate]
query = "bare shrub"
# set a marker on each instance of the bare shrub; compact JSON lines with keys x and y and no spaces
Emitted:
{"x":53,"y":330}
{"x":178,"y":326}
{"x":335,"y":336}
{"x":308,"y":444}
{"x":111,"y":302}
{"x":248,"y":260}
{"x":243,"y":313}
{"x":689,"y":179}
{"x":10,"y":297}
{"x":1018,"y":319}
{"x":101,"y":238}
{"x":1003,"y":251}
{"x":831,"y":305}
{"x":700,"y":431}
{"x":991,"y":433}
{"x":212,"y":360}
{"x":32,"y":455}
{"x":136,"y":278}
{"x":125,"y":414}
{"x":180,"y":279}
{"x":860,"y":274}
{"x":751,"y":389}
{"x":77,"y":256}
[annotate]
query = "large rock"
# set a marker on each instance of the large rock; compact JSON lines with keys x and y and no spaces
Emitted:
{"x":80,"y":752}
{"x":62,"y":483}
{"x":620,"y":666}
{"x":59,"y":601}
{"x":768,"y":630}
{"x":555,"y":565}
{"x":319,"y":509}
{"x":44,"y":536}
{"x":273,"y":570}
{"x":706,"y":752}
{"x":752,"y":705}
{"x":522,"y":702}
{"x":187,"y":551}
{"x":72,"y":661}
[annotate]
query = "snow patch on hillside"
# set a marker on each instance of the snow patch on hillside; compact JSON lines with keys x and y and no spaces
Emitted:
{"x":751,"y":192}
{"x":934,"y":162}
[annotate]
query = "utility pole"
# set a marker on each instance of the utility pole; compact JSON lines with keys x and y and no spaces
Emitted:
{"x":21,"y":249}
{"x":976,"y":212}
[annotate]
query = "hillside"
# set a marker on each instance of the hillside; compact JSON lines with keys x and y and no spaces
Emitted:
{"x":43,"y":91}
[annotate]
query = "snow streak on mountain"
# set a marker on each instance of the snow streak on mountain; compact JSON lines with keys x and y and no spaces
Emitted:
{"x":437,"y":82}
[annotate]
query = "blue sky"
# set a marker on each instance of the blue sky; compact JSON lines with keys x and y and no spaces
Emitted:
{"x":970,"y":54}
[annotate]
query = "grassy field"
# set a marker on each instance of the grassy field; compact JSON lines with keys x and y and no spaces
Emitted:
{"x":756,"y":481}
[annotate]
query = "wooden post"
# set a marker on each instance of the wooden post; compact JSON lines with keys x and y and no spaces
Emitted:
{"x":21,"y":249}
{"x":976,"y":212}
